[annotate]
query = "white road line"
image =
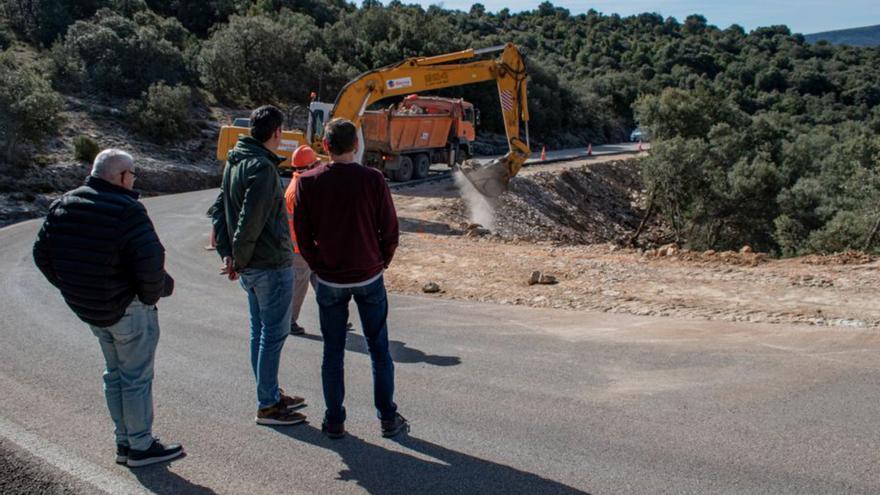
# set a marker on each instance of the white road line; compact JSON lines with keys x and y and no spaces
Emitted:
{"x":59,"y":458}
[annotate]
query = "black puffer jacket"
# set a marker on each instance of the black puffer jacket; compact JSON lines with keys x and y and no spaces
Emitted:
{"x":100,"y":248}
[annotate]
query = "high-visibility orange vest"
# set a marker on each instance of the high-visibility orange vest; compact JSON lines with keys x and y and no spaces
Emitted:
{"x":289,"y":197}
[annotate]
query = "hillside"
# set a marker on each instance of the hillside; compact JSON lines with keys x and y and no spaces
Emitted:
{"x":863,"y":36}
{"x":760,"y":137}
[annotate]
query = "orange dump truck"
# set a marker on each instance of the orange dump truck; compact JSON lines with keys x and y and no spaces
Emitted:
{"x":404,"y":139}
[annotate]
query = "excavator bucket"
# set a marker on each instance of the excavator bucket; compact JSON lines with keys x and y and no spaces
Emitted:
{"x":489,"y":179}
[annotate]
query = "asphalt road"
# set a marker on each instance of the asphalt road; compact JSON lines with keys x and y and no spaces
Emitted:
{"x":501,"y":399}
{"x":577,"y":153}
{"x":440,"y":171}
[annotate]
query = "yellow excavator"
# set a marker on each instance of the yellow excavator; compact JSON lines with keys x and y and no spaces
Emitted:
{"x":425,"y":74}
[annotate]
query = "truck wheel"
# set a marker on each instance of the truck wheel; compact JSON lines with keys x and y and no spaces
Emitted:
{"x":421,"y":166}
{"x":463,"y":153}
{"x":405,"y":172}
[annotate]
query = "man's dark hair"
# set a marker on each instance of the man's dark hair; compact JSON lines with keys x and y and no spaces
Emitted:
{"x":341,"y":136}
{"x":265,"y":121}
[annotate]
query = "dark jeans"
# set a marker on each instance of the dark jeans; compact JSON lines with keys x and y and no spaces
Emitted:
{"x":372,"y":304}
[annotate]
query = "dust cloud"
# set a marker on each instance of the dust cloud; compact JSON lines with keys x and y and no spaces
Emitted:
{"x":479,"y":208}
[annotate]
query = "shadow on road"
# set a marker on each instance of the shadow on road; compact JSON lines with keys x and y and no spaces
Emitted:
{"x":399,"y":351}
{"x":161,"y":480}
{"x":438,"y":189}
{"x":417,"y":226}
{"x":380,"y":470}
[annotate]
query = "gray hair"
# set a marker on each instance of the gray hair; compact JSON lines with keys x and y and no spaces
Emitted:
{"x":111,"y":162}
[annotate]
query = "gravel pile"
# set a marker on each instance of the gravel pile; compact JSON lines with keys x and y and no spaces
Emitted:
{"x":595,"y":203}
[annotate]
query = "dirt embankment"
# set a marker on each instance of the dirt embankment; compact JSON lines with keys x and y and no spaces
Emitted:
{"x":566,"y":221}
{"x":27,"y":189}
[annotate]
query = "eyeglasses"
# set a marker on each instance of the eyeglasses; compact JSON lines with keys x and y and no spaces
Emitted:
{"x":133,"y":175}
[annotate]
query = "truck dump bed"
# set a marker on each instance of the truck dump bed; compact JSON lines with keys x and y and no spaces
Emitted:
{"x":391,"y":132}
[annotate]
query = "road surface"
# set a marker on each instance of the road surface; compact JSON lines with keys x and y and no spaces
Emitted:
{"x":501,"y":399}
{"x":577,"y":153}
{"x":440,"y":171}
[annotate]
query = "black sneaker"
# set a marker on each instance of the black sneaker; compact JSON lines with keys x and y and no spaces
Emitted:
{"x":295,"y":329}
{"x":278,"y":415}
{"x":394,"y":426}
{"x":333,"y":430}
{"x":292,"y":402}
{"x":156,"y":453}
{"x":121,"y":453}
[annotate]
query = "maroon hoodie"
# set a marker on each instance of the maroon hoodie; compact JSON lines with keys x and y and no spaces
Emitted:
{"x":345,"y":222}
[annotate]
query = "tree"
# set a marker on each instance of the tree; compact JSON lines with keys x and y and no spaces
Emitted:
{"x":258,"y":60}
{"x":43,"y":21}
{"x":29,"y":108}
{"x":117,"y":56}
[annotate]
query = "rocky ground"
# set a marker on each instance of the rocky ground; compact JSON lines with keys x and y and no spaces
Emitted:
{"x":567,"y":222}
{"x":28,"y":188}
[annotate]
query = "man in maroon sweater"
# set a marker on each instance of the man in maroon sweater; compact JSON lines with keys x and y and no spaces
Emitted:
{"x":347,"y":231}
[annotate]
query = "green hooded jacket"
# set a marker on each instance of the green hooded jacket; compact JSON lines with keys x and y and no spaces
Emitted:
{"x":250,"y":219}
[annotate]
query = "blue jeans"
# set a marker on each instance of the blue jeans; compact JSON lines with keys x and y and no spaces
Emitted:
{"x":129,"y":348}
{"x":269,"y":294}
{"x":372,"y":304}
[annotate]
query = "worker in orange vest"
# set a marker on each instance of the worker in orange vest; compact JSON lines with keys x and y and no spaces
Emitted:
{"x":304,"y":158}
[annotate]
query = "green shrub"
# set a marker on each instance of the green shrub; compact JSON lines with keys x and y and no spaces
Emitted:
{"x":29,"y":109}
{"x":44,"y":21}
{"x":164,"y":113}
{"x":771,"y":184}
{"x":117,"y":56}
{"x":6,"y":37}
{"x":85,"y":149}
{"x":258,"y":59}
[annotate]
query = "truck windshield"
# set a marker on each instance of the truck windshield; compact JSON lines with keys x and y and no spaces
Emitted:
{"x":317,"y":123}
{"x":469,"y":114}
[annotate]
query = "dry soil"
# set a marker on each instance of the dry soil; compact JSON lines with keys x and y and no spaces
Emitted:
{"x":567,"y":220}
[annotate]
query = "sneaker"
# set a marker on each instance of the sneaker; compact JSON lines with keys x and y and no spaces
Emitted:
{"x":333,"y":430}
{"x":156,"y":453}
{"x":292,"y":402}
{"x":394,"y":426}
{"x":295,"y":329}
{"x":121,"y":453}
{"x":279,"y":415}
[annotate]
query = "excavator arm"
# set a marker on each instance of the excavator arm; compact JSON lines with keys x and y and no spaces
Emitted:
{"x":424,"y":74}
{"x":445,"y":71}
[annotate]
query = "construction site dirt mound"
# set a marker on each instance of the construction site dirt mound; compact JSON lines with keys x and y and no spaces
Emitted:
{"x":554,"y":241}
{"x":845,"y":258}
{"x":586,"y":204}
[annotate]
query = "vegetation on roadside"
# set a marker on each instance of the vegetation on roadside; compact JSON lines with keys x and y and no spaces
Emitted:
{"x":85,"y":149}
{"x":29,"y":107}
{"x":760,"y":138}
{"x":163,"y":112}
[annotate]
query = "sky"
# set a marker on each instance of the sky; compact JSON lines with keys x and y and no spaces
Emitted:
{"x":804,"y":16}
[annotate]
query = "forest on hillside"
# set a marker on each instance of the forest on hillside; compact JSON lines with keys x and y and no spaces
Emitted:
{"x":761,"y":138}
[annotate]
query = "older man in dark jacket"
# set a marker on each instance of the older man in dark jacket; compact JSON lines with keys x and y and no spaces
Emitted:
{"x":99,"y":247}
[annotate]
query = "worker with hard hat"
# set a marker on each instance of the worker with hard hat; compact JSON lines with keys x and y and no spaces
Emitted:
{"x":303,"y":158}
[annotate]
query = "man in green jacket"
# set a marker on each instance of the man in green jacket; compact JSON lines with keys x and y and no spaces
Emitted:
{"x":253,"y":238}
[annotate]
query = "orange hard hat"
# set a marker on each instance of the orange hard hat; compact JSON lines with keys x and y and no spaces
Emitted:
{"x":304,"y":156}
